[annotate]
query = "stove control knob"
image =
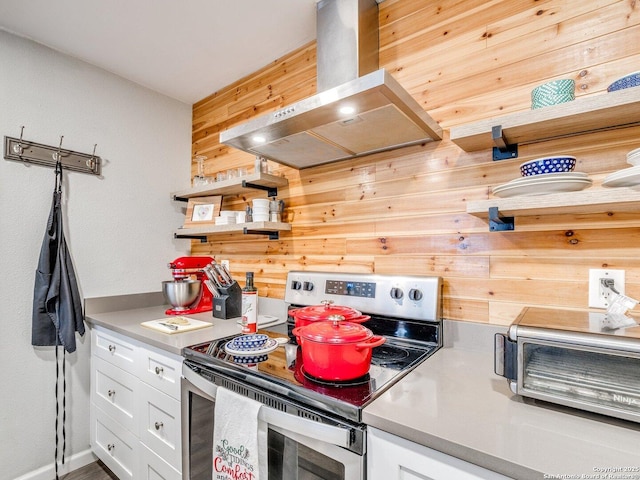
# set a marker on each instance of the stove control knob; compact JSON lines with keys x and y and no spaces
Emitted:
{"x":296,"y":285}
{"x":307,"y":286}
{"x":396,"y":293}
{"x":415,"y":295}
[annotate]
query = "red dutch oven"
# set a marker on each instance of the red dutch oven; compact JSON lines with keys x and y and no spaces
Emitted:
{"x":336,"y":350}
{"x":316,"y":313}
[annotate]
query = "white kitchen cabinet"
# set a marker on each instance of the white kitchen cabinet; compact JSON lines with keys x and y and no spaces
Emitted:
{"x":390,"y":457}
{"x":135,"y":407}
{"x":152,"y":467}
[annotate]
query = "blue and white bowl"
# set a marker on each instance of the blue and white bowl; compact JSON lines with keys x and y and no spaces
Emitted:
{"x":249,"y":359}
{"x":628,"y":81}
{"x":252,"y":341}
{"x":559,"y":164}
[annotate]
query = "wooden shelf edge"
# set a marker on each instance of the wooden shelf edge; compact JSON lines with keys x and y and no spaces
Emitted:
{"x":592,"y":113}
{"x":236,"y":227}
{"x":232,"y":186}
{"x":599,"y":200}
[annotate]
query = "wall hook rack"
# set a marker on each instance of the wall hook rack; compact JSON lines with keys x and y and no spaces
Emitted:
{"x":20,"y":150}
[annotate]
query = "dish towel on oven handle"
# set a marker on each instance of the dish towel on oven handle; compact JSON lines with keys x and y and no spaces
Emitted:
{"x":239,"y":438}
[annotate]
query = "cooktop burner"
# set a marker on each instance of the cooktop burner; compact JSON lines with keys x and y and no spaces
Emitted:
{"x":405,"y":310}
{"x":387,"y":354}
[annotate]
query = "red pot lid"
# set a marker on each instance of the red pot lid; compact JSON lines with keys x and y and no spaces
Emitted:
{"x":334,"y":332}
{"x":322,"y":312}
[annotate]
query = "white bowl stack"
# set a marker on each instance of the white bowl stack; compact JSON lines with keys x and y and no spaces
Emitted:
{"x":261,"y":210}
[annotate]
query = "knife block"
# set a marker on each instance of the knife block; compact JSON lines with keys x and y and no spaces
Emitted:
{"x":229,"y":303}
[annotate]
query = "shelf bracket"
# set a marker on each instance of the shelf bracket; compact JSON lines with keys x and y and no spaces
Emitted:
{"x":202,"y":238}
{"x":273,"y":235}
{"x":271,"y":191}
{"x":180,"y":199}
{"x":502,"y":150}
{"x":498,"y":223}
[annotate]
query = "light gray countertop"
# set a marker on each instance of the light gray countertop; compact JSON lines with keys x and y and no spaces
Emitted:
{"x":454,"y":403}
{"x":124,"y":314}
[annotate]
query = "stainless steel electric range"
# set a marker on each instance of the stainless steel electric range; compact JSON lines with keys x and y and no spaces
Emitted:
{"x":406,"y":310}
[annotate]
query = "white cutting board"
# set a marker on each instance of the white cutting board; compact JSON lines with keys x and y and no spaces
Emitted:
{"x":192,"y":324}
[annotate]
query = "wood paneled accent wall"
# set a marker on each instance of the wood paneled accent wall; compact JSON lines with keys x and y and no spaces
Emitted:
{"x":404,"y":211}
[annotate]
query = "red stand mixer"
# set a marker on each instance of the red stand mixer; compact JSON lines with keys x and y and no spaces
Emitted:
{"x":187,"y":293}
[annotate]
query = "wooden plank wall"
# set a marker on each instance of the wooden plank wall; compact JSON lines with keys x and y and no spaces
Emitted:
{"x":404,"y":211}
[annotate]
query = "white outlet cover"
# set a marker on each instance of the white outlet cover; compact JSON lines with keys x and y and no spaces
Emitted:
{"x":598,"y":294}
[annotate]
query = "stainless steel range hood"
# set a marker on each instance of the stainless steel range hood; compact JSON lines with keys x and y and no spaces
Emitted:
{"x":359,"y":110}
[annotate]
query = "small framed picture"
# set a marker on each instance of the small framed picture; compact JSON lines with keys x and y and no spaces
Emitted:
{"x":202,"y":211}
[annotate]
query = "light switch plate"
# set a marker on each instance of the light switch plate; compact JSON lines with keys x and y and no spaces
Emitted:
{"x":599,"y":296}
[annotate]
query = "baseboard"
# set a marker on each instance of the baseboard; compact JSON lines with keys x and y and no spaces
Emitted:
{"x":74,"y":462}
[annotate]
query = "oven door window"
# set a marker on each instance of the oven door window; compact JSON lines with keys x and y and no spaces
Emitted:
{"x":293,"y":456}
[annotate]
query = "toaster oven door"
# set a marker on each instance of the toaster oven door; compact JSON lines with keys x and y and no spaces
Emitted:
{"x":601,"y":380}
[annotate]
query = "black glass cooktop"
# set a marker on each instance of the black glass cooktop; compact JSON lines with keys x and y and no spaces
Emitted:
{"x":283,"y":372}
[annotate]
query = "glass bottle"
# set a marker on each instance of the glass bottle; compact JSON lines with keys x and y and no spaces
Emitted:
{"x":249,"y":306}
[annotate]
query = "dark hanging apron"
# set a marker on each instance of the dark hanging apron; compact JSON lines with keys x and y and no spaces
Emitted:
{"x":57,"y":307}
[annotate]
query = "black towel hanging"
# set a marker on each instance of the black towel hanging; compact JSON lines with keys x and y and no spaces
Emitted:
{"x":57,"y":306}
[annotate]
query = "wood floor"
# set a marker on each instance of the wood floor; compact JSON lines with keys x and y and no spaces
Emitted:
{"x":93,"y":471}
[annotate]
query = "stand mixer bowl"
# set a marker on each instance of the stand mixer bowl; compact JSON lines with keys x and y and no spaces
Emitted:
{"x":182,"y":293}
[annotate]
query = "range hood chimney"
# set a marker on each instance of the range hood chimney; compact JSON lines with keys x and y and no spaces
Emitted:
{"x":359,"y":109}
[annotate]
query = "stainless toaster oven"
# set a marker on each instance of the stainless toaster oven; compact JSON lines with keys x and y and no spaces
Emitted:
{"x":574,"y":359}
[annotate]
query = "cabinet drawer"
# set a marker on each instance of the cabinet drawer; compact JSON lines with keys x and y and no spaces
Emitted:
{"x":152,"y":467}
{"x":160,"y":370}
{"x":114,"y":349}
{"x":114,"y":391}
{"x":159,"y":424}
{"x":116,"y":446}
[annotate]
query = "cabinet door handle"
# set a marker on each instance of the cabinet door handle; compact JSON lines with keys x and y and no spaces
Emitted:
{"x":159,"y":370}
{"x":111,"y":393}
{"x":112,"y":348}
{"x":159,"y":425}
{"x":110,"y":447}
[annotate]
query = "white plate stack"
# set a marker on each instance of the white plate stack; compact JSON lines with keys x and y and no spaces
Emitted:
{"x":227,"y":217}
{"x":627,"y":177}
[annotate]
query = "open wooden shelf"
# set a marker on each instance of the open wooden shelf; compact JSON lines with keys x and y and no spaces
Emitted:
{"x":597,"y":200}
{"x":262,"y":181}
{"x":260,"y":228}
{"x":587,"y":114}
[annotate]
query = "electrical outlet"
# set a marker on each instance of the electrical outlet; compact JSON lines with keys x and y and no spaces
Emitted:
{"x":225,"y":263}
{"x":599,"y":295}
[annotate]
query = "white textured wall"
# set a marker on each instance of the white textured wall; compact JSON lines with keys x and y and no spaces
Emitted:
{"x":119,"y":227}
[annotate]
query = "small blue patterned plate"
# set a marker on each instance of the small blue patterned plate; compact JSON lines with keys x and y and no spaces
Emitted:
{"x":628,"y":81}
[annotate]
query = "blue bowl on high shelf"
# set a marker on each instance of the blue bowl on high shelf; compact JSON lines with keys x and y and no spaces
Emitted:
{"x":539,"y":166}
{"x":628,"y":81}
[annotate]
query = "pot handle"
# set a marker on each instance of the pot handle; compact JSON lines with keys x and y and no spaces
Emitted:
{"x":373,"y":342}
{"x":296,"y":332}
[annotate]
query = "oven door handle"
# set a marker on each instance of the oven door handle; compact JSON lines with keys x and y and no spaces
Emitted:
{"x":318,"y":431}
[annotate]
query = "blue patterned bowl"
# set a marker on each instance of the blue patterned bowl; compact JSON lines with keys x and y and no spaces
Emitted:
{"x":563,"y":163}
{"x":249,"y":359}
{"x":254,"y":340}
{"x":631,"y":80}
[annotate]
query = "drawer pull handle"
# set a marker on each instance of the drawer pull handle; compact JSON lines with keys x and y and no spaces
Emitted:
{"x":110,"y":447}
{"x":158,"y":370}
{"x":112,"y":348}
{"x":111,"y":393}
{"x":159,"y":425}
